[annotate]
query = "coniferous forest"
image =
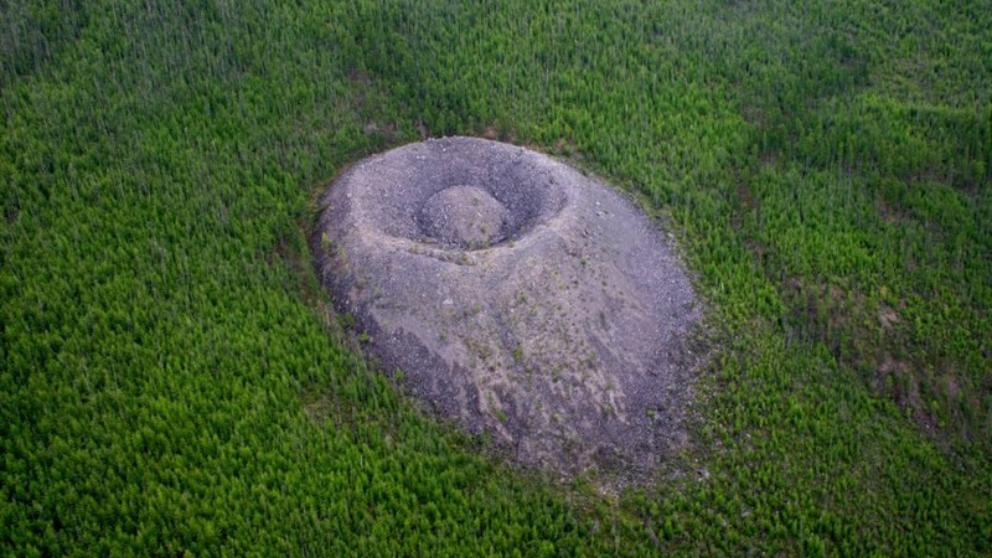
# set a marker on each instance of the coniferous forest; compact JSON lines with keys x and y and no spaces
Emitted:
{"x":171,"y":382}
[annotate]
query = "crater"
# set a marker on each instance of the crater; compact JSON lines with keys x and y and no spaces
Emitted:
{"x":519,"y":296}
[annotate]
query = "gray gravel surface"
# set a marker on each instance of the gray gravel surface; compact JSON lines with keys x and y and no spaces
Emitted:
{"x":519,"y":297}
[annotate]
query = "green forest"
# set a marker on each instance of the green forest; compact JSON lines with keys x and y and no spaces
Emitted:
{"x":171,"y":383}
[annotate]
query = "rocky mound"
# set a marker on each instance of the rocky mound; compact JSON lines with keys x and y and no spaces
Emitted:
{"x":518,"y":296}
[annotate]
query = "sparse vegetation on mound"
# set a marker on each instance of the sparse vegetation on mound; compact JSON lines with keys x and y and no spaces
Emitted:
{"x":167,"y":386}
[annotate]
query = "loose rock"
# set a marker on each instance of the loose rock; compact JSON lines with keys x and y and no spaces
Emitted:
{"x":518,"y":296}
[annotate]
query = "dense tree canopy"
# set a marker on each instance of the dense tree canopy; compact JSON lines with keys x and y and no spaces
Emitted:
{"x":169,"y":383}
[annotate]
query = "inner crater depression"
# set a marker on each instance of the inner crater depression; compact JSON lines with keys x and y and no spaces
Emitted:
{"x":518,"y":296}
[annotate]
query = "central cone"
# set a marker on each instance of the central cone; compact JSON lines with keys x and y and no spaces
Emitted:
{"x":465,"y":216}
